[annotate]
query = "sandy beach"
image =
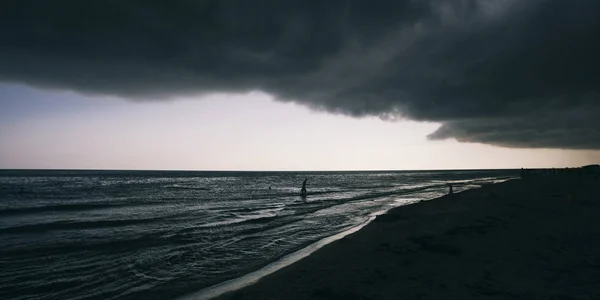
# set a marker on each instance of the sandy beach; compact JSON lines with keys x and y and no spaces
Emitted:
{"x":521,"y":239}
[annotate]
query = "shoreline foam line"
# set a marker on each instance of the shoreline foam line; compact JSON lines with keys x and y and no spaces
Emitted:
{"x":250,"y":278}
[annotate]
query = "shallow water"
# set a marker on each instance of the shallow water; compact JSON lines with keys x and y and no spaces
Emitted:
{"x":157,"y":235}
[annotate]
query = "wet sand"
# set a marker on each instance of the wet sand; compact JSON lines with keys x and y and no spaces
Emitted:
{"x":521,"y":239}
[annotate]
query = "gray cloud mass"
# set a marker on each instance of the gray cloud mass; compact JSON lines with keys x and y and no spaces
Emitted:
{"x":511,"y":73}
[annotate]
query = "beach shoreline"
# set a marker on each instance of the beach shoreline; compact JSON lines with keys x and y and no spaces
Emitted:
{"x":248,"y":279}
{"x":253,"y":277}
{"x":477,"y":243}
{"x":235,"y":284}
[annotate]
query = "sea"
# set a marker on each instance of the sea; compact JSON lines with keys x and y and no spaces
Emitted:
{"x":68,"y":234}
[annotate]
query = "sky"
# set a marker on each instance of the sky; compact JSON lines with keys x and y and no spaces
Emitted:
{"x":305,"y":85}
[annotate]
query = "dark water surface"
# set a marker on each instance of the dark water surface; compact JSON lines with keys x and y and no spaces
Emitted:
{"x":162,"y":234}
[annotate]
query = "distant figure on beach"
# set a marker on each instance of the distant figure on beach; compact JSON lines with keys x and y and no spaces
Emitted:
{"x":303,"y":190}
{"x":450,"y":192}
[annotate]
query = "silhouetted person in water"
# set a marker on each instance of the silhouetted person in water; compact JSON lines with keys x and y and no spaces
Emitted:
{"x":450,"y":192}
{"x":303,"y":190}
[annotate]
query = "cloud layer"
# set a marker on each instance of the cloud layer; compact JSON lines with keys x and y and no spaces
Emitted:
{"x":503,"y":72}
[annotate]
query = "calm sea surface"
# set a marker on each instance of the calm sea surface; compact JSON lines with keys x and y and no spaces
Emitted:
{"x":159,"y":235}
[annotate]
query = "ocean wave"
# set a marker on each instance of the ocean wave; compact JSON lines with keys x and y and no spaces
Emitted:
{"x":60,"y":207}
{"x":73,"y":225}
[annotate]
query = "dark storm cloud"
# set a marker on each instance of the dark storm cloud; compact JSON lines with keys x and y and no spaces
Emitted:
{"x":504,"y":72}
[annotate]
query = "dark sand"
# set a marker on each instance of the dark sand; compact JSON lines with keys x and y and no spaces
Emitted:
{"x":514,"y":240}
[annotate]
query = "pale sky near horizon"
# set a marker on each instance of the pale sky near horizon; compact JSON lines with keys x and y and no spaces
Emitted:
{"x":52,"y":129}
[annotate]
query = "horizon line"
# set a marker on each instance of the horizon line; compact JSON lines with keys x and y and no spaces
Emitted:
{"x":273,"y":171}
